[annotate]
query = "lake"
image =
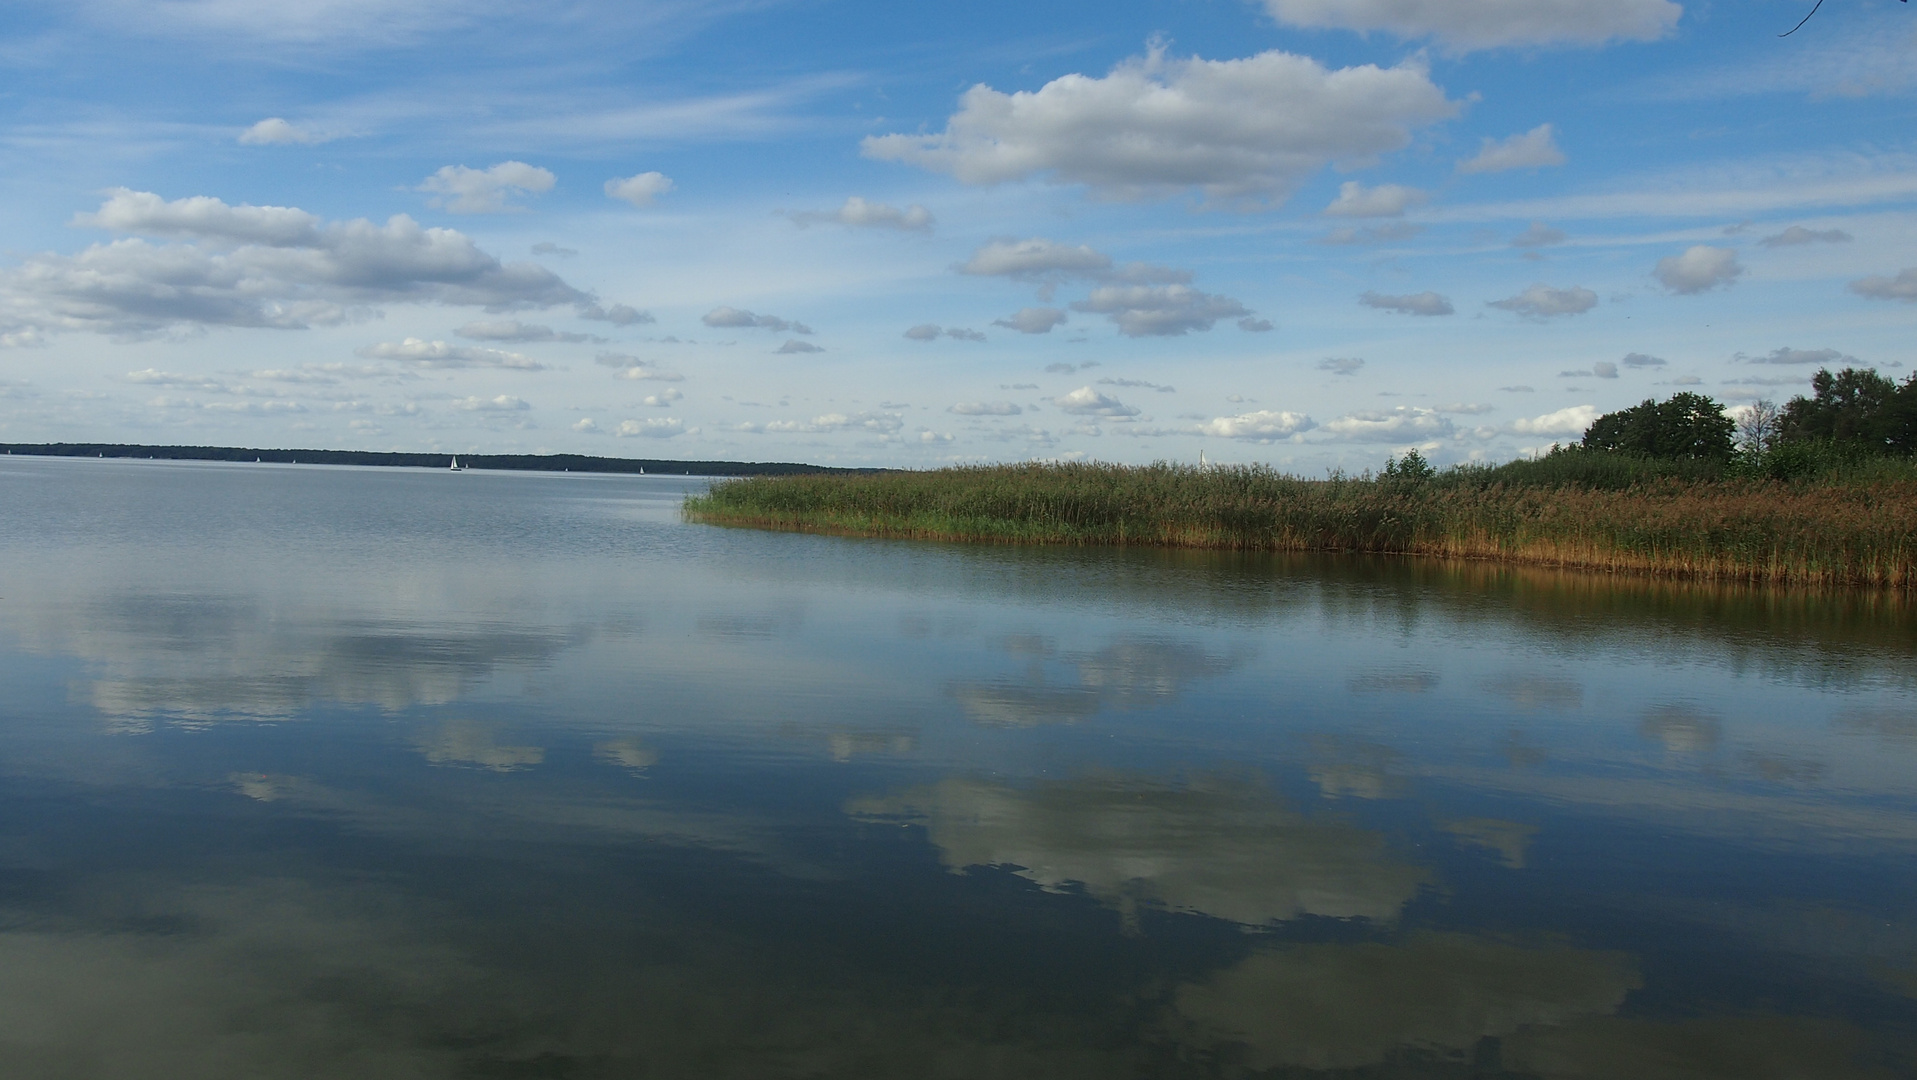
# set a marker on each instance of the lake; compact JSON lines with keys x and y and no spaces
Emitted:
{"x":313,"y":771}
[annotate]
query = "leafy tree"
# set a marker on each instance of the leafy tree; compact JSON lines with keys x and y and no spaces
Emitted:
{"x":1411,"y":468}
{"x":1686,"y":426}
{"x":1857,"y":411}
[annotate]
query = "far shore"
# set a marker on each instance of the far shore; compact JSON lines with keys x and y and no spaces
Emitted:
{"x":1854,"y":528}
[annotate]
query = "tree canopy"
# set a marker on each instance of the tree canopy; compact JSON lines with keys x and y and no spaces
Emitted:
{"x":1685,"y":426}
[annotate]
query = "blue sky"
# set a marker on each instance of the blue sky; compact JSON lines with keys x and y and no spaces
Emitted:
{"x":1307,"y":232}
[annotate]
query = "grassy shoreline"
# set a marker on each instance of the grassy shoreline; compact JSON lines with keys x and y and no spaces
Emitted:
{"x":1846,"y":528}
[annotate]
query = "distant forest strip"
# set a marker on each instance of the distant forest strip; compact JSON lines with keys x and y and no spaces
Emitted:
{"x":1576,"y":509}
{"x":525,"y":462}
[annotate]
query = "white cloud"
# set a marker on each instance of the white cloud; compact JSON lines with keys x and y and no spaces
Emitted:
{"x":1878,"y":287}
{"x":275,"y":131}
{"x":882,"y":423}
{"x":1541,"y":301}
{"x":1341,"y":365}
{"x":1400,"y":425}
{"x":514,"y":330}
{"x":653,"y":428}
{"x":1263,"y":425}
{"x":1797,"y":234}
{"x":1699,"y":269}
{"x":1642,"y":360}
{"x":202,"y":218}
{"x":587,"y":426}
{"x":1826,"y":357}
{"x":1388,"y":233}
{"x":1032,"y":320}
{"x":794,"y":346}
{"x":986,"y":408}
{"x":1159,"y":310}
{"x":663,"y":399}
{"x":1537,"y":236}
{"x":632,"y":367}
{"x":461,"y":190}
{"x":504,"y":403}
{"x":1603,"y":369}
{"x":1085,"y":401}
{"x":1463,"y":25}
{"x":1424,"y":303}
{"x":1255,"y":326}
{"x":639,"y":190}
{"x":932,"y":332}
{"x":861,"y":214}
{"x":731,"y":318}
{"x":156,"y":377}
{"x":1385,"y":200}
{"x":616,"y":314}
{"x":1156,"y":126}
{"x":1036,"y":259}
{"x":1535,"y":149}
{"x":1465,"y":409}
{"x":1567,"y":421}
{"x":439,"y":354}
{"x":260,"y":267}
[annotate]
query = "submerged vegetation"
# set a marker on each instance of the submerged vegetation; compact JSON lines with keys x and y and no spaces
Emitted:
{"x":1804,"y":511}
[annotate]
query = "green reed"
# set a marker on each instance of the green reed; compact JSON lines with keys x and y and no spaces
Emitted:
{"x":1596,"y":511}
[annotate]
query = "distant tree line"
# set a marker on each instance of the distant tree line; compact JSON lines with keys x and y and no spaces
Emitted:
{"x":1850,"y":415}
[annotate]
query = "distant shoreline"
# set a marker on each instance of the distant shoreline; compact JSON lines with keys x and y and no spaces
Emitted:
{"x":515,"y":462}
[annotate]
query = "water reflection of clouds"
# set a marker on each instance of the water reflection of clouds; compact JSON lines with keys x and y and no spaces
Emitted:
{"x":1128,"y":673}
{"x":471,"y":742}
{"x":1535,"y":692}
{"x":1219,"y":846}
{"x":1352,"y":1006}
{"x":1681,"y":729}
{"x":1393,"y":682}
{"x":1348,"y":769}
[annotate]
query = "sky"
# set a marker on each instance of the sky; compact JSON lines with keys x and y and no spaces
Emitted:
{"x":1308,"y":233}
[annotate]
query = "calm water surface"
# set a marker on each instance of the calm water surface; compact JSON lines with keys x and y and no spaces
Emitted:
{"x":385,"y":773}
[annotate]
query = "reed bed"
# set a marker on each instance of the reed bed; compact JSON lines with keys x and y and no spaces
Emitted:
{"x":1836,"y":530}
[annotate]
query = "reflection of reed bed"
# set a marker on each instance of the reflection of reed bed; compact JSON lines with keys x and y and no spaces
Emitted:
{"x":1835,"y":531}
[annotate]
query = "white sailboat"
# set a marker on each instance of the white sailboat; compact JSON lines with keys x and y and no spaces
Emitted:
{"x":456,"y":466}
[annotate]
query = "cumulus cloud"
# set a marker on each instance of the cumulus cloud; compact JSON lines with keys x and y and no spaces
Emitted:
{"x":651,"y":428}
{"x":1388,"y":233}
{"x":794,"y":346}
{"x":1463,"y":25}
{"x":1465,"y":408}
{"x":275,"y":131}
{"x":1541,"y":301}
{"x":1642,"y":360}
{"x":882,"y":423}
{"x":461,"y":190}
{"x":870,"y":215}
{"x":1567,"y":421}
{"x":616,"y":314}
{"x":1086,"y":401}
{"x":1826,"y":357}
{"x":1032,"y":320}
{"x":932,"y":332}
{"x":203,"y":218}
{"x":1535,"y":149}
{"x":1255,"y":326}
{"x":1603,"y":369}
{"x":1404,"y":424}
{"x":663,"y":399}
{"x":514,"y":330}
{"x":439,"y":354}
{"x":1385,"y":200}
{"x":1341,"y":365}
{"x":504,"y":403}
{"x":1157,"y":125}
{"x":1700,"y":269}
{"x":1537,"y":236}
{"x":1036,"y":259}
{"x":986,"y":408}
{"x":1159,"y":310}
{"x":258,"y":267}
{"x":1263,"y":426}
{"x":587,"y":426}
{"x":1424,"y":303}
{"x":639,"y":190}
{"x":734,"y":318}
{"x":1797,"y":234}
{"x":1878,"y":287}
